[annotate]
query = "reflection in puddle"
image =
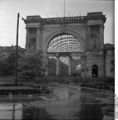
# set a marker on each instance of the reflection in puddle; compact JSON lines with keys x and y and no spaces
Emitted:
{"x":67,"y":105}
{"x":91,"y":112}
{"x":11,"y":111}
{"x":34,"y":113}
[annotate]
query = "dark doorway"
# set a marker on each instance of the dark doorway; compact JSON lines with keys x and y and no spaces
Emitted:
{"x":94,"y":71}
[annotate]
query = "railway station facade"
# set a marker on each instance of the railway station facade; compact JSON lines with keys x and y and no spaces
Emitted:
{"x":71,"y":45}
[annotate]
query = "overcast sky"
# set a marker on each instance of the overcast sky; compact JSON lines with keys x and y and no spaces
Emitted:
{"x":49,"y":8}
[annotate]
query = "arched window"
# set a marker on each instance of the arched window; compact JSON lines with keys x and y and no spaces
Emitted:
{"x":64,"y":43}
{"x":94,"y":71}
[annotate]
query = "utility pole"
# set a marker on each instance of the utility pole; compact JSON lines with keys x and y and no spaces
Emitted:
{"x":16,"y":70}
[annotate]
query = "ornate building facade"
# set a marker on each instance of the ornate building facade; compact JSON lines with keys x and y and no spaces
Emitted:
{"x":71,"y":45}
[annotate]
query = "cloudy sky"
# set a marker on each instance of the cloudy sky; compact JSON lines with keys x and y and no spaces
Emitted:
{"x":49,"y":8}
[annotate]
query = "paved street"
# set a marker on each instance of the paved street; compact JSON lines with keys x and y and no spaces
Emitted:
{"x":71,"y":102}
{"x":68,"y":102}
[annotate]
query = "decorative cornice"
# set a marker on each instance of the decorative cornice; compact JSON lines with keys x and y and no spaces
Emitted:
{"x":65,"y":20}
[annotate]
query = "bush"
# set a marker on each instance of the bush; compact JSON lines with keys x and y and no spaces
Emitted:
{"x":31,"y":67}
{"x":7,"y":65}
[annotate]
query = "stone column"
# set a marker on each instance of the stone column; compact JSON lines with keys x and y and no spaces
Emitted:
{"x":89,"y":39}
{"x":69,"y":68}
{"x":102,"y":47}
{"x":27,"y":38}
{"x":57,"y":66}
{"x":45,"y":62}
{"x":85,"y":67}
{"x":38,"y":39}
{"x":46,"y":72}
{"x":101,"y":36}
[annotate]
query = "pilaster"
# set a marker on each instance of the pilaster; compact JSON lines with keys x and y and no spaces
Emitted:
{"x":57,"y":65}
{"x":38,"y":39}
{"x":69,"y":67}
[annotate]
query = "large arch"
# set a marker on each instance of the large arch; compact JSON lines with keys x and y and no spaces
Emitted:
{"x":64,"y":43}
{"x":67,"y":31}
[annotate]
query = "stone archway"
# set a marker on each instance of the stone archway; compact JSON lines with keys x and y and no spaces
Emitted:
{"x":88,"y":29}
{"x":67,"y":31}
{"x":64,"y":47}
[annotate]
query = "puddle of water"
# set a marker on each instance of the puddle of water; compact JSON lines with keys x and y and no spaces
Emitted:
{"x":68,"y":105}
{"x":11,"y":111}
